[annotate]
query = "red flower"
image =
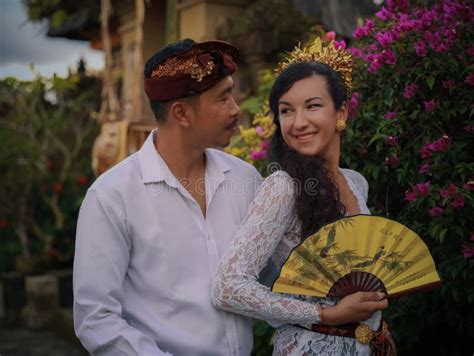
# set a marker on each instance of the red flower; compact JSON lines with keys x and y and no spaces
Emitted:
{"x":436,"y":211}
{"x":58,"y":187}
{"x":458,"y":201}
{"x":447,"y":192}
{"x":82,"y":180}
{"x":49,"y":165}
{"x":53,"y":253}
{"x":4,"y":223}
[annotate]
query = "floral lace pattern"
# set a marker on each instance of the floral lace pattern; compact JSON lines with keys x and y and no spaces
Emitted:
{"x":271,"y":230}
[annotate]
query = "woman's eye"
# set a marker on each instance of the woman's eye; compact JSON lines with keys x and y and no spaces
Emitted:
{"x":312,"y":106}
{"x":284,"y":111}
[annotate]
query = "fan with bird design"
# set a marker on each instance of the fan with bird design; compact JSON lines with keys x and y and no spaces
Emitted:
{"x":359,"y":253}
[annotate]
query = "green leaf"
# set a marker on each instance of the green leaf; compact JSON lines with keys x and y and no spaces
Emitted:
{"x":442,"y":235}
{"x":430,"y":81}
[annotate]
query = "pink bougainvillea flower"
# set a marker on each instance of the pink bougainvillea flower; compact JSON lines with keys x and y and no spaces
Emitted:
{"x":359,"y":33}
{"x":260,"y":130}
{"x":447,"y":192}
{"x":356,"y":52}
{"x":265,"y":145}
{"x":458,"y":201}
{"x":256,"y":155}
{"x":424,"y":168}
{"x":422,"y":189}
{"x":392,"y":161}
{"x":420,"y":48}
{"x":391,"y":140}
{"x":469,"y":186}
{"x":436,"y":211}
{"x":410,"y":91}
{"x":383,"y":14}
{"x":390,"y":115}
{"x":430,"y":105}
{"x":449,"y":84}
{"x":384,"y":38}
{"x":353,"y":105}
{"x":389,"y":57}
{"x":330,"y":36}
{"x":467,"y":250}
{"x":340,"y":44}
{"x":374,"y":66}
{"x":470,"y":51}
{"x":410,"y":196}
{"x":441,"y":145}
{"x":470,"y":79}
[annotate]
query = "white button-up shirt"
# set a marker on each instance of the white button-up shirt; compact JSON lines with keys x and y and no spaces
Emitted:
{"x":145,"y":257}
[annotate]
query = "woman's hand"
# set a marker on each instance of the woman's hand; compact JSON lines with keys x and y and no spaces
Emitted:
{"x":354,"y":307}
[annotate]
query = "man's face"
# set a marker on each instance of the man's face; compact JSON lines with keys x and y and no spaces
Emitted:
{"x":217,"y":115}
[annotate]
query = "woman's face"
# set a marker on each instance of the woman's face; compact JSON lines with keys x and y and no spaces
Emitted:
{"x":308,"y":117}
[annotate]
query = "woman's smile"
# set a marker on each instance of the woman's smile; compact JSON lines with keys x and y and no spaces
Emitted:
{"x":305,"y":137}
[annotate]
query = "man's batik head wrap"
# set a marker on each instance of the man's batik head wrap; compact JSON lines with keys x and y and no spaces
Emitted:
{"x":186,"y":68}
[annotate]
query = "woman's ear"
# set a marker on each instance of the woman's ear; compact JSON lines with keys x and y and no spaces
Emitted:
{"x":181,"y":113}
{"x":343,"y":112}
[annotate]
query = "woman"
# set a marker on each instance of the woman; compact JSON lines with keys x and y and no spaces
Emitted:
{"x":308,"y":101}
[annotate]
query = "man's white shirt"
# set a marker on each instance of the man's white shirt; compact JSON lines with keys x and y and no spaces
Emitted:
{"x":145,"y":257}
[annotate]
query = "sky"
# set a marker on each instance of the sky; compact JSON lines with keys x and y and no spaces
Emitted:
{"x":23,"y":43}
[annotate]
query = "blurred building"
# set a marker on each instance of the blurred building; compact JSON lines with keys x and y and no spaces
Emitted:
{"x":130,"y":31}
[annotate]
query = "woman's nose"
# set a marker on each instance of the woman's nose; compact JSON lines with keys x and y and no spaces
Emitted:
{"x":300,"y":121}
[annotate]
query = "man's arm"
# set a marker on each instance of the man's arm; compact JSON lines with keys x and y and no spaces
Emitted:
{"x":101,"y":258}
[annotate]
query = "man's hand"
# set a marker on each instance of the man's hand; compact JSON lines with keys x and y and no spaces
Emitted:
{"x":355,"y":307}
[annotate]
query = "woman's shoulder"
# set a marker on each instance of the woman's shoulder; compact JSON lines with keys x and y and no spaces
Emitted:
{"x":359,"y":181}
{"x":279,"y":183}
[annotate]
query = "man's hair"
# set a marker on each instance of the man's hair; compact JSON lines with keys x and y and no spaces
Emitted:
{"x":160,"y":108}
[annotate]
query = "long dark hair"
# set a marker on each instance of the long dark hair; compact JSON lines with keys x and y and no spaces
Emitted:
{"x":317,"y":198}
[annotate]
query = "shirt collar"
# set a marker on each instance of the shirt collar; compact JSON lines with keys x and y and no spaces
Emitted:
{"x":154,"y":168}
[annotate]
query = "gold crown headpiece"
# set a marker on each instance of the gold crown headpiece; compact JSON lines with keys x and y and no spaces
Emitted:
{"x":339,"y":59}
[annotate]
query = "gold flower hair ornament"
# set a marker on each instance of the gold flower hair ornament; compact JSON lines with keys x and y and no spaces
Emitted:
{"x":339,"y":59}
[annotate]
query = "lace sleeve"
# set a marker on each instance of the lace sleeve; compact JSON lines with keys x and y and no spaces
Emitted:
{"x":360,"y":183}
{"x":235,"y":286}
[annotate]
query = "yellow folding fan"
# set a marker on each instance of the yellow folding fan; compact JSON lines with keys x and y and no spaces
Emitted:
{"x":359,"y":253}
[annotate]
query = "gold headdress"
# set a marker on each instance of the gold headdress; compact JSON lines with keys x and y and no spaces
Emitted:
{"x":339,"y":60}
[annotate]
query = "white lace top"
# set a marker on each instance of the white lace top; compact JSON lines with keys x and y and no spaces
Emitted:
{"x":271,"y":230}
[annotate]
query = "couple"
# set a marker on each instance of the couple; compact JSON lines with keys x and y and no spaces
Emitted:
{"x":171,"y":241}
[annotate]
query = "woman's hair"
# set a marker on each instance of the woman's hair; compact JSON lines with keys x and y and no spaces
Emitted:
{"x":317,"y":197}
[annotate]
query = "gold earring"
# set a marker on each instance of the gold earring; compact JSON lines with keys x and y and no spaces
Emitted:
{"x":341,"y":125}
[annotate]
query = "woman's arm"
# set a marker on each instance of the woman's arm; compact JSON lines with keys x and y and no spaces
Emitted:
{"x":235,"y":286}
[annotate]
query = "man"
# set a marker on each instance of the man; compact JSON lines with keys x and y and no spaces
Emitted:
{"x":151,"y":229}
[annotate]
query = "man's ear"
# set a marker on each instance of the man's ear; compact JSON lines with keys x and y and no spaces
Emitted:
{"x":182,"y":113}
